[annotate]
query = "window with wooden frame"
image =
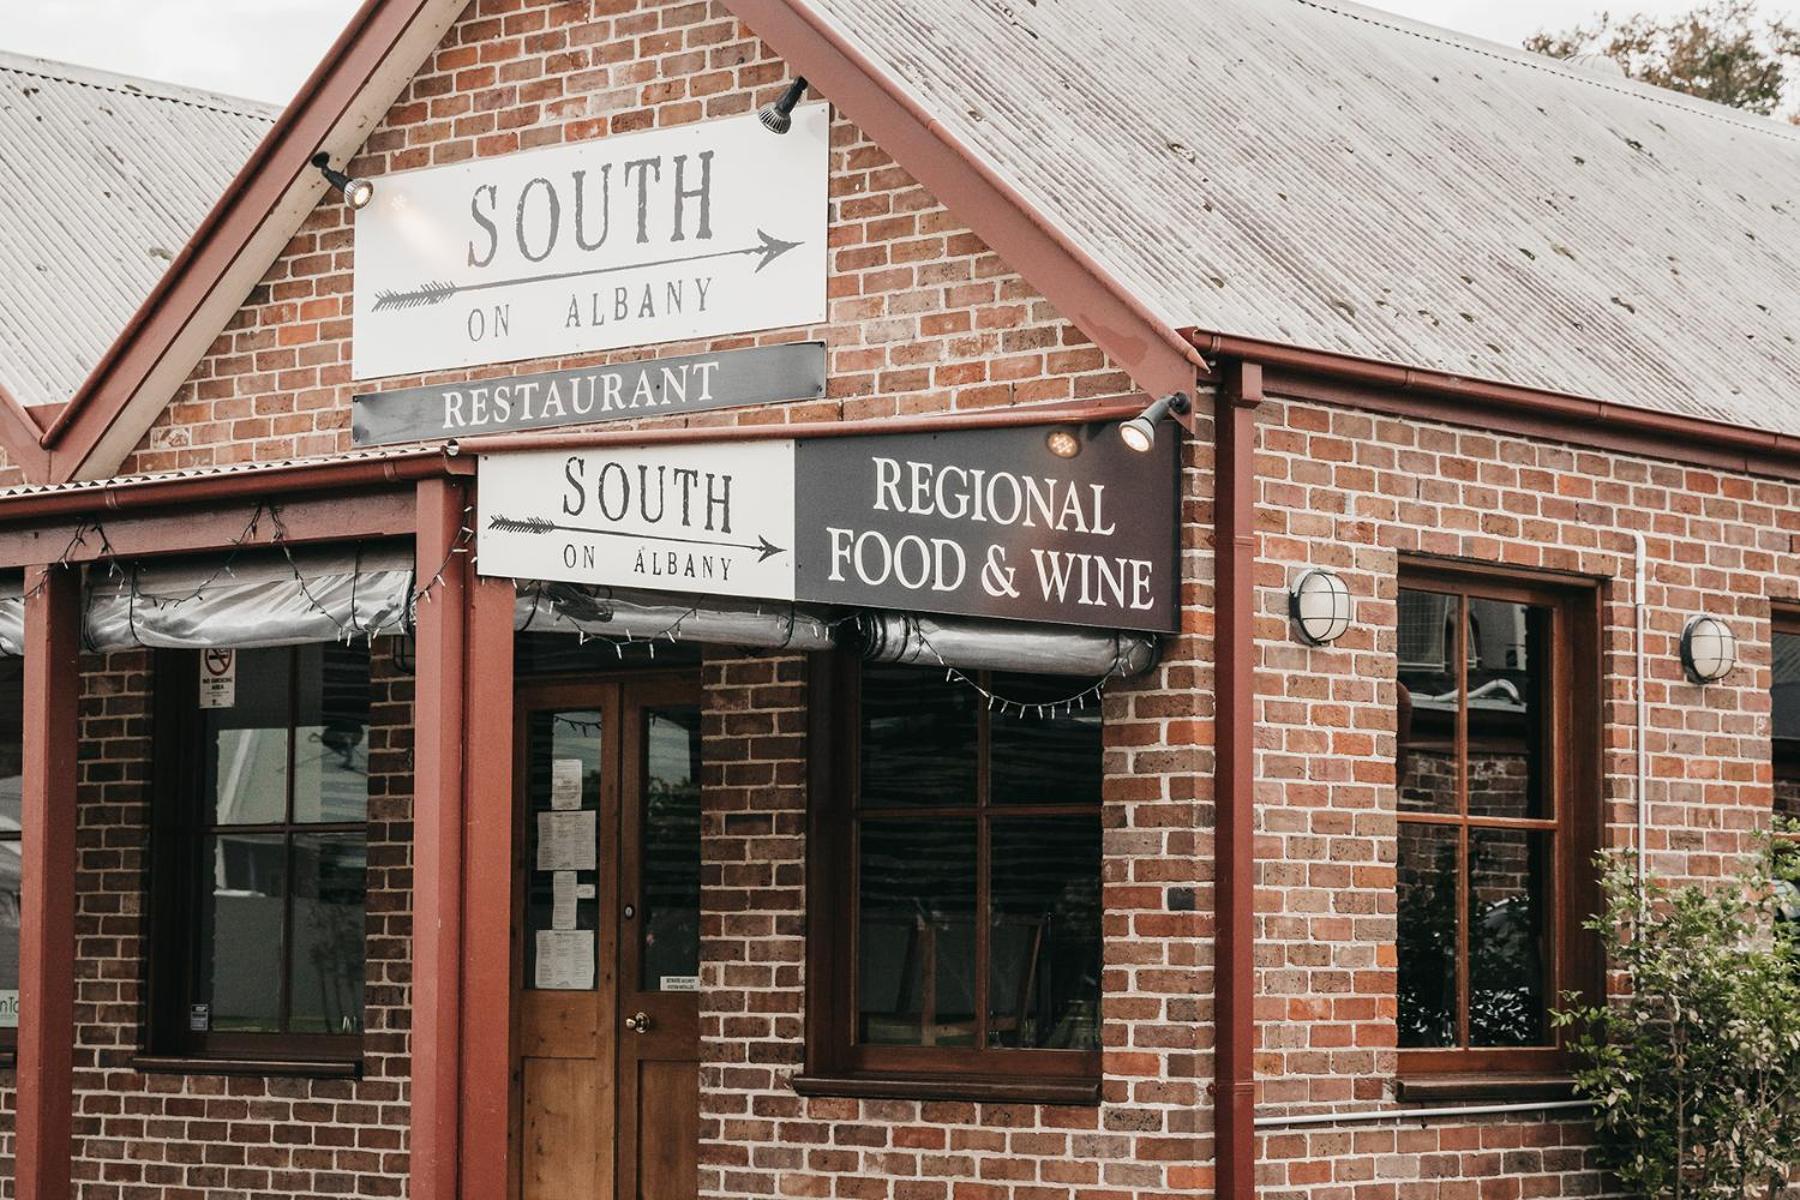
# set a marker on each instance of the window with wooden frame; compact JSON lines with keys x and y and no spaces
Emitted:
{"x":12,"y":766}
{"x":259,"y":872}
{"x":954,"y":942}
{"x":1784,"y":712}
{"x":1498,"y":768}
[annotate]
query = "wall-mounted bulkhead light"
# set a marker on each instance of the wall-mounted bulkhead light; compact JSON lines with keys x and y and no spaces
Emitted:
{"x":1319,"y":602}
{"x":1708,"y":649}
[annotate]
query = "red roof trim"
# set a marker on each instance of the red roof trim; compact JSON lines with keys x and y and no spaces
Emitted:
{"x":279,"y":163}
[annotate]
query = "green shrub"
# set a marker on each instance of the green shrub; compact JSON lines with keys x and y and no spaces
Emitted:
{"x":1695,"y":1073}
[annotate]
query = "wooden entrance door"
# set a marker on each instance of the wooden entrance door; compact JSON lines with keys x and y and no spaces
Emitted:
{"x":609,"y":898}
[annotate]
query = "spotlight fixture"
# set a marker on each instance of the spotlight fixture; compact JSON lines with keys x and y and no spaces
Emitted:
{"x":1320,"y":605}
{"x":1140,"y":432}
{"x":357,"y":192}
{"x":778,"y":115}
{"x":1064,"y":443}
{"x":1708,"y":649}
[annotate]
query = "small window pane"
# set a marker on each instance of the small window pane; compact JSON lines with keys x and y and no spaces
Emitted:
{"x":1508,"y":879}
{"x":1784,"y":701}
{"x":1044,"y":943}
{"x":330,"y":885}
{"x":1428,"y":702}
{"x":247,"y":744}
{"x":1507,"y":644}
{"x":239,"y":964}
{"x":1427,"y":873}
{"x":1044,"y":759}
{"x":331,"y":735}
{"x":671,"y":856}
{"x":12,"y":741}
{"x":9,"y":933}
{"x":919,"y":736}
{"x":916,"y":933}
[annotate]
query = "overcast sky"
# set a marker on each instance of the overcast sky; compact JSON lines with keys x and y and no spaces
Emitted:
{"x":264,"y":48}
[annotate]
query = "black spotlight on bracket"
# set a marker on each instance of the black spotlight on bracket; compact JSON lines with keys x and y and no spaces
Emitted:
{"x":357,"y":192}
{"x":778,"y":116}
{"x":1140,"y":432}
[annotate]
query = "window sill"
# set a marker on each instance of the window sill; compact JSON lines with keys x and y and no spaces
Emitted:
{"x":174,"y":1064}
{"x":990,"y":1090}
{"x":1433,"y":1089}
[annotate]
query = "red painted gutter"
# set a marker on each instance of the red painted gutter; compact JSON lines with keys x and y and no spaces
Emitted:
{"x":1550,"y":414}
{"x":165,"y":491}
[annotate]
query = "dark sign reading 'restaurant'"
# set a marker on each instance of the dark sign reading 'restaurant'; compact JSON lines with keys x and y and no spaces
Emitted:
{"x":619,"y":392}
{"x":983,"y":523}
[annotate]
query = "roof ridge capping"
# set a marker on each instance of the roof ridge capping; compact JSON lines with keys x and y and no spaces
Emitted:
{"x":1532,"y":60}
{"x":139,"y":87}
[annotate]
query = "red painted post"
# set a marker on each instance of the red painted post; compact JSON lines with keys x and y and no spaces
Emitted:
{"x":47,"y":893}
{"x":488,"y":901}
{"x":438,"y":723}
{"x":1234,"y":780}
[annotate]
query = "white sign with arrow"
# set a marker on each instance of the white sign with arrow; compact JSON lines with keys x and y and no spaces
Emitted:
{"x":696,"y":231}
{"x":715,"y":518}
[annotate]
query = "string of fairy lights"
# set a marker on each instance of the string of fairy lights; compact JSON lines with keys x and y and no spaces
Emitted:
{"x":424,"y":591}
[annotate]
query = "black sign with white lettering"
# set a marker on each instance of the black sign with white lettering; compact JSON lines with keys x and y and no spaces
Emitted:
{"x":619,"y":392}
{"x":992,"y":523}
{"x":983,"y":523}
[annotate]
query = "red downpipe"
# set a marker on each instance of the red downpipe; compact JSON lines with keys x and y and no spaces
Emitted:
{"x":1234,"y":779}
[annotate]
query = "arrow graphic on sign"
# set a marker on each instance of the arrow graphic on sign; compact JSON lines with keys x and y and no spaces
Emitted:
{"x":768,"y":248}
{"x":764,"y":548}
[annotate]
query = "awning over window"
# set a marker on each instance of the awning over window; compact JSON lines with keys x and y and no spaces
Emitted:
{"x":969,"y":645}
{"x":651,"y":616}
{"x":313,"y":594}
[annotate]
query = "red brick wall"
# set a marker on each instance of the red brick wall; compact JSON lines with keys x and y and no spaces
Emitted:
{"x":162,"y":1133}
{"x":758,"y":1138}
{"x":1356,"y":492}
{"x":922,"y":316}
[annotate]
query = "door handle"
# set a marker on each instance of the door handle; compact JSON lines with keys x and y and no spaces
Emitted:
{"x":638,"y":1022}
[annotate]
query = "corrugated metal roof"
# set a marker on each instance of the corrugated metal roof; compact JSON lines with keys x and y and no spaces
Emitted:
{"x":102,"y":180}
{"x":1332,"y":177}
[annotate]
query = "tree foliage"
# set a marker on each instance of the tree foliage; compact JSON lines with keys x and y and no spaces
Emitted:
{"x":1692,"y":1072}
{"x":1722,"y":50}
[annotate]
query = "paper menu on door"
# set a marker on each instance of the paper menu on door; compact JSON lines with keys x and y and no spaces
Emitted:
{"x":565,"y":783}
{"x":566,"y":840}
{"x":565,"y":959}
{"x":562,"y":900}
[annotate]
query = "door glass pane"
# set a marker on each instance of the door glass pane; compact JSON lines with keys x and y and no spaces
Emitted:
{"x":1508,"y":880}
{"x":915,"y":932}
{"x":1426,"y":976}
{"x":330,"y":885}
{"x":1049,"y":758}
{"x":331,"y":735}
{"x":918,"y":739}
{"x":1507,"y":677}
{"x":247,"y":743}
{"x":1425,"y":757}
{"x":562,"y":802}
{"x":670,"y":906}
{"x":1044,"y":942}
{"x":239,"y":965}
